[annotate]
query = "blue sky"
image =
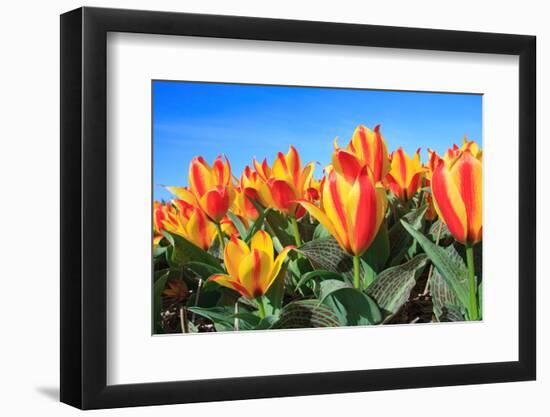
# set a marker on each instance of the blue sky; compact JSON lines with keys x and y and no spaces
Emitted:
{"x":243,"y":121}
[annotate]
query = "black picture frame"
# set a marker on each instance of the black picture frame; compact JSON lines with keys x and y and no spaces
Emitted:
{"x":84,"y":207}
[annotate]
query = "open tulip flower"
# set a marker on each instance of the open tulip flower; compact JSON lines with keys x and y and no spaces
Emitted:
{"x":251,"y":270}
{"x":366,"y":147}
{"x":251,"y":186}
{"x":404,"y":178}
{"x":186,"y":220}
{"x":210,"y":186}
{"x":289,"y":182}
{"x":351,"y":210}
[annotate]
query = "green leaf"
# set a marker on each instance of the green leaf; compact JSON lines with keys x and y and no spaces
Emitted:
{"x":203,"y":270}
{"x":158,"y":288}
{"x":280,"y":227}
{"x":238,"y":223}
{"x":451,"y":268}
{"x":318,"y":273}
{"x":275,"y":294}
{"x":306,"y":314}
{"x":224,"y":317}
{"x":435,"y":231}
{"x":184,"y":252}
{"x":378,"y":253}
{"x":392,"y":287}
{"x":327,"y":254}
{"x":353,"y":307}
{"x":257,"y":225}
{"x":400,"y":240}
{"x":446,"y":305}
{"x":321,"y":232}
{"x":266,"y":322}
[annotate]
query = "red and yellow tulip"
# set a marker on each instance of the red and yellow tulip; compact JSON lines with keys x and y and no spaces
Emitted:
{"x":251,"y":270}
{"x":457,"y":192}
{"x":404,"y":178}
{"x":251,"y":186}
{"x":351,"y":210}
{"x":289,"y":182}
{"x":185,"y":220}
{"x":210,"y":187}
{"x":366,"y":147}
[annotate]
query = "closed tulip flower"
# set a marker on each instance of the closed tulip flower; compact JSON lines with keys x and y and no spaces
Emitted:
{"x":457,"y":192}
{"x":251,"y":270}
{"x":404,"y":178}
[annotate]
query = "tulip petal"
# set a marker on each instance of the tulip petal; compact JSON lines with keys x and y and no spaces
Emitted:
{"x":215,"y":203}
{"x":276,"y":267}
{"x":347,"y":164}
{"x":294,"y":165}
{"x":335,"y":191}
{"x":254,"y":271}
{"x":467,"y":175}
{"x":229,"y":282}
{"x":448,"y":202}
{"x":280,"y":168}
{"x":200,"y":176}
{"x":322,"y":218}
{"x":262,"y":241}
{"x":235,"y":251}
{"x":283,"y":195}
{"x":362,"y":213}
{"x":183,"y":193}
{"x":199,"y":230}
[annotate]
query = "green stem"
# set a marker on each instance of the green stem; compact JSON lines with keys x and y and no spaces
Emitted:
{"x":220,"y":236}
{"x":472,"y":281}
{"x":356,"y":272}
{"x":261,"y":307}
{"x":296,"y":231}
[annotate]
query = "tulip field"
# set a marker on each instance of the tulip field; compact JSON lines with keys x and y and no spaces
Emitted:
{"x":375,"y":238}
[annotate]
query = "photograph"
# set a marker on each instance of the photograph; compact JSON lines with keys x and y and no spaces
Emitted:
{"x":294,"y":207}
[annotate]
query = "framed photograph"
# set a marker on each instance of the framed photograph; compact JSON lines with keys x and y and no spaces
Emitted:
{"x":259,"y":208}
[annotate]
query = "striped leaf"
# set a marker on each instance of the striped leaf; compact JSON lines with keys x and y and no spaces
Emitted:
{"x":392,"y":287}
{"x":306,"y":314}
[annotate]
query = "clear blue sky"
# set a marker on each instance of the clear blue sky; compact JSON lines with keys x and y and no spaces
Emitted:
{"x":243,"y":121}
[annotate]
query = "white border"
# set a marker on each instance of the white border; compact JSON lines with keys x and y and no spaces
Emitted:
{"x":134,"y":356}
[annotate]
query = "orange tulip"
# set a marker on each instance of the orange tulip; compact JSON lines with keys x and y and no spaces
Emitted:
{"x":366,"y":147}
{"x":405,"y":176}
{"x":210,"y":187}
{"x":289,"y":182}
{"x":457,"y":191}
{"x":185,"y":220}
{"x":251,"y":270}
{"x":352,"y":211}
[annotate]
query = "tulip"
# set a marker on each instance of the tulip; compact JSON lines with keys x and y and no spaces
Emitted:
{"x":405,"y":176}
{"x":287,"y":184}
{"x":352,"y":211}
{"x":251,"y":270}
{"x":185,"y":220}
{"x":366,"y":147}
{"x":251,"y":186}
{"x":210,"y":188}
{"x":457,"y":192}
